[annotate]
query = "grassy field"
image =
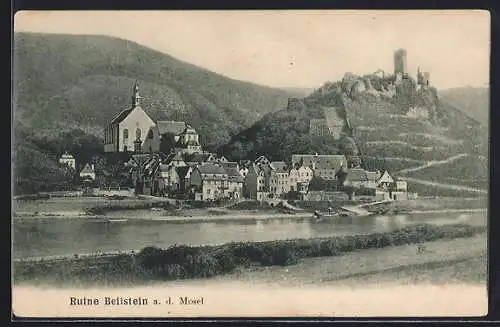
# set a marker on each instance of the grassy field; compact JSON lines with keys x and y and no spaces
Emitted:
{"x":462,"y":260}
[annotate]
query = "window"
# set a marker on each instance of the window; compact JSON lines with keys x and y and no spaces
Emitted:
{"x":125,"y":133}
{"x":138,"y":133}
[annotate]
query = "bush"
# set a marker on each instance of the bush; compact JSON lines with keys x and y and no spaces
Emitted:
{"x":178,"y":262}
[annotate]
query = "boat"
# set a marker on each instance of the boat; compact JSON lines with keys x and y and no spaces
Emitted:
{"x":116,"y":220}
{"x":326,"y":216}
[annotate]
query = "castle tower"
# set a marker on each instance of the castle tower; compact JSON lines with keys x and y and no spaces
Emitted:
{"x":400,"y":62}
{"x":136,"y":98}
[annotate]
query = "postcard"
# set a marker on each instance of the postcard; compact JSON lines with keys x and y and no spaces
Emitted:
{"x":263,"y":163}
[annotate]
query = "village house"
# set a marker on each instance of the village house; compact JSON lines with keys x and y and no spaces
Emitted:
{"x":87,"y":172}
{"x":199,"y":158}
{"x":262,"y":160}
{"x":256,"y":185}
{"x":234,"y":184}
{"x":279,"y":184}
{"x":68,"y":160}
{"x":323,"y":165}
{"x":209,"y":182}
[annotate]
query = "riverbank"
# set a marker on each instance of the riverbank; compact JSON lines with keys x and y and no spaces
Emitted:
{"x":448,"y":279}
{"x":186,"y":262}
{"x":168,"y":210}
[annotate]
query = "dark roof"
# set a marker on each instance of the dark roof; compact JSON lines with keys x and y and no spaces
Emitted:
{"x":121,"y":116}
{"x":196,"y":157}
{"x":231,"y":171}
{"x":266,"y":168}
{"x":229,"y":164}
{"x":326,"y":161}
{"x":189,"y":130}
{"x":182,"y":171}
{"x":170,"y":126}
{"x":238,"y":179}
{"x":278,"y":165}
{"x":372,"y":175}
{"x":357,"y":175}
{"x":261,"y":159}
{"x":211,"y":169}
{"x":164,"y":167}
{"x":140,"y":158}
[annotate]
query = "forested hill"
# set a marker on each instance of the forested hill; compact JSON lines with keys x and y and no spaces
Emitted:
{"x":79,"y":81}
{"x":393,"y":126}
{"x":67,"y":87}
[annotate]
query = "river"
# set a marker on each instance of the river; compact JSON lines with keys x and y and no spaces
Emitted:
{"x":56,"y":236}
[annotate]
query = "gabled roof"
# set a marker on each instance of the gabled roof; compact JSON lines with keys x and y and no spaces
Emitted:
{"x":140,"y":159}
{"x":87,"y":169}
{"x":266,"y":168}
{"x":211,"y":169}
{"x":356,"y":175}
{"x":321,"y":161}
{"x":386,"y":177}
{"x":182,"y":171}
{"x":189,"y":130}
{"x":232,"y":171}
{"x":261,"y":159}
{"x":121,"y":116}
{"x":237,"y":179}
{"x":229,"y":164}
{"x":170,"y":126}
{"x":372,"y":175}
{"x":278,"y":165}
{"x":196,"y":157}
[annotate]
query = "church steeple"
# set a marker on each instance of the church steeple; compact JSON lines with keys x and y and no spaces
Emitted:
{"x":136,"y":98}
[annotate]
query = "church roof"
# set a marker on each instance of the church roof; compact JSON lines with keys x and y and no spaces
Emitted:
{"x":170,"y":126}
{"x":121,"y":116}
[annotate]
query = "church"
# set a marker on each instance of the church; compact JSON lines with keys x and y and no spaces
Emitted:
{"x":132,"y":130}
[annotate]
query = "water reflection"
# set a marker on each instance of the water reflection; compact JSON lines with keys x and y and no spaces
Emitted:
{"x":38,"y":237}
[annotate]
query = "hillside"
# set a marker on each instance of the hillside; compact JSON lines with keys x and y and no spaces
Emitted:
{"x":67,"y":87}
{"x":394,"y":128}
{"x":473,"y":101}
{"x":77,"y":81}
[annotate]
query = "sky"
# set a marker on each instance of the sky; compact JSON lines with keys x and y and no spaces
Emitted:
{"x":300,"y":49}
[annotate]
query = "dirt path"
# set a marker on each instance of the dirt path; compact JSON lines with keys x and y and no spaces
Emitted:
{"x":433,"y":163}
{"x":447,"y":186}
